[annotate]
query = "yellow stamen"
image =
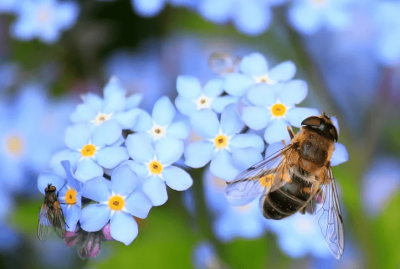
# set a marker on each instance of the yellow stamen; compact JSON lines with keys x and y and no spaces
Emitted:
{"x":116,"y":203}
{"x":221,"y":141}
{"x":264,"y":79}
{"x":14,"y":145}
{"x":155,"y":167}
{"x":88,"y":150}
{"x":100,"y":118}
{"x":278,"y":110}
{"x":266,"y":181}
{"x":70,"y":196}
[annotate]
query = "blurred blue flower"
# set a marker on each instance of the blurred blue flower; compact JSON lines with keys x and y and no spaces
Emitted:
{"x":154,"y":165}
{"x":381,"y":182}
{"x":8,"y":6}
{"x":192,"y":97}
{"x":91,"y":151}
{"x":160,"y":124}
{"x":44,"y":19}
{"x":9,"y":239}
{"x":273,"y":107}
{"x":221,"y":141}
{"x":309,"y":16}
{"x":118,"y":199}
{"x":205,"y":257}
{"x":8,"y":74}
{"x":114,"y":107}
{"x":69,"y":193}
{"x":150,"y":8}
{"x":254,"y":70}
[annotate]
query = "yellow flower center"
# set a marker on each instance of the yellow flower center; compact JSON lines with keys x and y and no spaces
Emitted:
{"x":219,"y":183}
{"x":203,"y":102}
{"x":116,"y":203}
{"x":243,"y":208}
{"x":14,"y":145}
{"x":158,"y":131}
{"x":266,"y":181}
{"x":155,"y":167}
{"x":278,"y":110}
{"x":43,"y":15}
{"x":100,"y":118}
{"x":264,"y":79}
{"x":221,"y":141}
{"x":70,"y":196}
{"x":88,"y":150}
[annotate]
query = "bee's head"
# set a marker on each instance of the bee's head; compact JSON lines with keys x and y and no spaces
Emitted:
{"x":50,"y":188}
{"x":322,"y":123}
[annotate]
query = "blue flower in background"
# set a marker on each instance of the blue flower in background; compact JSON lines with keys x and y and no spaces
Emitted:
{"x":192,"y":97}
{"x":274,"y":108}
{"x":154,"y":165}
{"x":8,"y":6}
{"x":160,"y":124}
{"x":114,"y":107}
{"x":91,"y":151}
{"x":205,"y":257}
{"x":221,"y":142}
{"x":254,"y":70}
{"x":43,"y":19}
{"x":69,"y":193}
{"x":150,"y":8}
{"x":118,"y":199}
{"x":309,"y":16}
{"x":8,"y":74}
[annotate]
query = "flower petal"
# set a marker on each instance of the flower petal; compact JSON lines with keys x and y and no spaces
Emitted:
{"x":261,"y":95}
{"x":293,"y":92}
{"x":83,"y":113}
{"x":199,"y":154}
{"x":283,"y":71}
{"x":72,"y":182}
{"x":87,"y":169}
{"x":138,"y":204}
{"x":163,"y":111}
{"x":296,"y":115}
{"x":237,"y":84}
{"x":214,"y":87}
{"x":143,"y":123}
{"x":188,"y":87}
{"x":110,"y":157}
{"x":97,"y":189}
{"x":140,"y":169}
{"x":247,"y":140}
{"x":107,"y":133}
{"x":139,"y":147}
{"x":179,"y":129}
{"x":254,"y":64}
{"x":177,"y":178}
{"x":123,"y":180}
{"x":273,"y":148}
{"x":93,"y":100}
{"x":70,"y":155}
{"x":219,"y":103}
{"x":340,"y":155}
{"x":94,"y":217}
{"x":72,"y":216}
{"x":230,"y":121}
{"x":205,"y":123}
{"x":123,"y":227}
{"x":156,"y":190}
{"x":335,"y":123}
{"x":256,"y":118}
{"x":169,"y":150}
{"x":133,"y":101}
{"x":46,"y":178}
{"x":222,"y":166}
{"x":276,"y":131}
{"x":128,"y":119}
{"x":185,"y":105}
{"x":76,"y":136}
{"x":244,"y":158}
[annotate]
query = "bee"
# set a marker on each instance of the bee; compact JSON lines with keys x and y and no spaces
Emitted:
{"x":51,"y":215}
{"x":298,"y":178}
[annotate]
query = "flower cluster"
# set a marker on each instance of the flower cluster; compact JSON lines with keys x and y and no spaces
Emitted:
{"x":120,"y":158}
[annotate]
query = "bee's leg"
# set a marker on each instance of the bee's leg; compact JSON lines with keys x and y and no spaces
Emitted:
{"x":291,"y":134}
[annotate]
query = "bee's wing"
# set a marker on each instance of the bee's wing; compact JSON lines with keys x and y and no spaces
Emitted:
{"x":44,"y":224}
{"x":58,"y":219}
{"x":330,"y":216}
{"x":246,"y":186}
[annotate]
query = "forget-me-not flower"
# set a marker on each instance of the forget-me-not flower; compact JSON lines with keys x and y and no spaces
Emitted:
{"x":118,"y":200}
{"x":160,"y":124}
{"x":274,"y":107}
{"x":192,"y":97}
{"x":204,"y":256}
{"x":153,"y":163}
{"x":69,"y":193}
{"x":221,"y":140}
{"x":255,"y":70}
{"x":44,"y":19}
{"x":92,"y":150}
{"x":7,"y":6}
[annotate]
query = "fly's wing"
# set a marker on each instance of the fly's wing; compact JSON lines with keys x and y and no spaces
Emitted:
{"x":330,"y":216}
{"x":257,"y":179}
{"x":44,"y":224}
{"x":58,"y":221}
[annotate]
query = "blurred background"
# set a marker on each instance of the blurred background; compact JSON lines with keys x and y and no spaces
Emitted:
{"x":51,"y":51}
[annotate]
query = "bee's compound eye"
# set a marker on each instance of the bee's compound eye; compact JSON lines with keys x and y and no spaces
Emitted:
{"x":312,"y":121}
{"x":333,"y":133}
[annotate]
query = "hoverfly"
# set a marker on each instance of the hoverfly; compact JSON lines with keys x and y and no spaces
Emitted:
{"x":51,"y":215}
{"x":296,"y":179}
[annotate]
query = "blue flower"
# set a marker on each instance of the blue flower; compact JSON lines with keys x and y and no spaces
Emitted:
{"x":114,"y":107}
{"x":222,"y":141}
{"x":205,"y":257}
{"x":118,"y":200}
{"x":161,"y":124}
{"x":274,"y":108}
{"x":91,"y":151}
{"x":69,"y":193}
{"x":8,"y":5}
{"x":254,"y":70}
{"x":150,"y":8}
{"x":192,"y":97}
{"x":308,"y":17}
{"x":154,"y":165}
{"x":44,"y":19}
